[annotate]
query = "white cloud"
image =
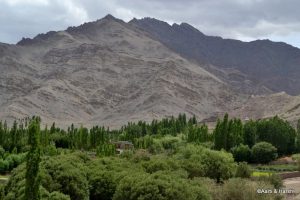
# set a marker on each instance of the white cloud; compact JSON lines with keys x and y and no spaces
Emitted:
{"x":74,"y":12}
{"x":25,"y":2}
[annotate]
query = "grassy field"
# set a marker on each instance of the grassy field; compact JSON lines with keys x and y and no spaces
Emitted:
{"x":277,"y":168}
{"x":260,"y":173}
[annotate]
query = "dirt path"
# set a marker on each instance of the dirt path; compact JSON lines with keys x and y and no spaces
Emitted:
{"x":293,"y":183}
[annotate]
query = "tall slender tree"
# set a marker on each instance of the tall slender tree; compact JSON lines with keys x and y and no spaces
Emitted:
{"x":33,"y":160}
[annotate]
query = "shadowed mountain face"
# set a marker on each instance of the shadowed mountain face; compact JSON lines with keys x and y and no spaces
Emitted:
{"x":104,"y":72}
{"x":272,"y":66}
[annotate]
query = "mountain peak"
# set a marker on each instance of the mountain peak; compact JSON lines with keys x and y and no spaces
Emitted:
{"x":109,"y":17}
{"x":149,"y":21}
{"x":187,"y":27}
{"x":88,"y":26}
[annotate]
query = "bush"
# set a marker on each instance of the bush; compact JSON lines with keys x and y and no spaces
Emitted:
{"x":2,"y":152}
{"x":170,"y":143}
{"x":45,"y":195}
{"x":156,"y":147}
{"x":217,"y":165}
{"x":102,"y":185}
{"x":263,"y":152}
{"x":66,"y":174}
{"x":4,"y":166}
{"x":141,"y":155}
{"x":275,"y":180}
{"x":50,"y":150}
{"x":193,"y":167}
{"x":237,"y":189}
{"x":241,"y":153}
{"x":155,"y":165}
{"x":58,"y":196}
{"x":243,"y":170}
{"x":158,"y":186}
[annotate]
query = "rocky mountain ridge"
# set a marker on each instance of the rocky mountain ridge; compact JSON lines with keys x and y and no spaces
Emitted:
{"x":104,"y":72}
{"x":269,"y":66}
{"x":109,"y":72}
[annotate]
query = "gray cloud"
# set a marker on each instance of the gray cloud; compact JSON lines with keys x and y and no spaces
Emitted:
{"x":239,"y":19}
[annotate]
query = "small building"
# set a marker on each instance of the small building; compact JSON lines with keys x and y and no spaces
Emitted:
{"x":122,"y":145}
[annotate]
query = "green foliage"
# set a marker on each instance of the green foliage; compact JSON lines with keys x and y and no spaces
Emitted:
{"x":32,"y":162}
{"x":11,"y":161}
{"x":199,"y":161}
{"x":237,"y":189}
{"x":263,"y":152}
{"x":228,"y":133}
{"x":169,"y":160}
{"x":15,"y":188}
{"x":102,"y":185}
{"x":276,"y":181}
{"x":143,"y":142}
{"x":106,"y":150}
{"x":277,"y":132}
{"x":297,"y":142}
{"x":2,"y":152}
{"x":217,"y":165}
{"x":277,"y":168}
{"x":197,"y":134}
{"x":156,"y":165}
{"x":250,"y":132}
{"x":66,"y":174}
{"x":157,"y":186}
{"x":243,"y":170}
{"x":241,"y":153}
{"x":141,"y":155}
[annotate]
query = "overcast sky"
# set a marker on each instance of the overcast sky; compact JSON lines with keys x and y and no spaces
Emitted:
{"x":278,"y":20}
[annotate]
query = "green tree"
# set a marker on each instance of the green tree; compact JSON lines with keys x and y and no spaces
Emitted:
{"x":277,"y":132}
{"x":297,"y":145}
{"x":33,"y":160}
{"x":263,"y":152}
{"x":241,"y":153}
{"x":249,"y":133}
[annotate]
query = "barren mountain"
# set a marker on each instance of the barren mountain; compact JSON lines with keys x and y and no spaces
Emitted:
{"x":258,"y":67}
{"x":104,"y":72}
{"x":110,"y":72}
{"x":265,"y":106}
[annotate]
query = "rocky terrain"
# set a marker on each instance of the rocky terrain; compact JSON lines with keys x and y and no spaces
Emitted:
{"x":110,"y":72}
{"x":265,"y":106}
{"x":104,"y":72}
{"x":253,"y":67}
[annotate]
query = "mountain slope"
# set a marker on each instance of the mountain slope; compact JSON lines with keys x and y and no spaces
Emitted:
{"x":104,"y":72}
{"x":265,"y":106}
{"x":274,"y":65}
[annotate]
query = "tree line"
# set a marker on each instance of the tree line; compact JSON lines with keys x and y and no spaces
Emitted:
{"x":228,"y":134}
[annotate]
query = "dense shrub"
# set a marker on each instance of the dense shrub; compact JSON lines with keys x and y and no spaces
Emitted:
{"x":102,"y":185}
{"x":155,"y":165}
{"x":66,"y":174}
{"x":217,"y":165}
{"x":237,"y":189}
{"x":158,"y":187}
{"x":263,"y":152}
{"x":241,"y":153}
{"x":10,"y":162}
{"x":2,"y":152}
{"x":243,"y":170}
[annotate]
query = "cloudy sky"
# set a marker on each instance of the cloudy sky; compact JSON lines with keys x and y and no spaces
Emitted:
{"x":278,"y":20}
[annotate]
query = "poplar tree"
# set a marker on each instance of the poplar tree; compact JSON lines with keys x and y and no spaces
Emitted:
{"x":33,"y":160}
